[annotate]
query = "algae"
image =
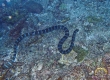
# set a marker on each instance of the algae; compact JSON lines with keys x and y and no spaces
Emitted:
{"x":81,"y":53}
{"x":62,"y":7}
{"x":94,"y":19}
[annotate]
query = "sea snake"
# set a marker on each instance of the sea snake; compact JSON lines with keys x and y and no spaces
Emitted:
{"x":8,"y":64}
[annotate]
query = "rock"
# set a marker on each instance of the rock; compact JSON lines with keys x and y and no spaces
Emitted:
{"x":68,"y":59}
{"x":106,"y":47}
{"x":33,"y":7}
{"x":39,"y":66}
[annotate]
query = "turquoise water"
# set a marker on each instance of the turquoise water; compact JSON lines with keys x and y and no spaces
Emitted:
{"x":54,"y":39}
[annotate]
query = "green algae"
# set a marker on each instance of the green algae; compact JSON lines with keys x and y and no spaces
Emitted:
{"x":62,"y":6}
{"x":81,"y":53}
{"x":94,"y":19}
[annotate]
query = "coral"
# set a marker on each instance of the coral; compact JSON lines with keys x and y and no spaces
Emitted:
{"x":81,"y":53}
{"x":99,"y":70}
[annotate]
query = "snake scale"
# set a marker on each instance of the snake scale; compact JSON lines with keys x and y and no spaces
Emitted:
{"x":9,"y":64}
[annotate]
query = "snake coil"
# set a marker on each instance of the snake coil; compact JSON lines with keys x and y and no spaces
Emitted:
{"x":58,"y":27}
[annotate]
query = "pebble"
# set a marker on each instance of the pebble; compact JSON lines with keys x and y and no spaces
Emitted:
{"x":106,"y":47}
{"x":39,"y":66}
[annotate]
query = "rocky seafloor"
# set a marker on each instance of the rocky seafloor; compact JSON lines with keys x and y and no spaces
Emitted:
{"x":38,"y":57}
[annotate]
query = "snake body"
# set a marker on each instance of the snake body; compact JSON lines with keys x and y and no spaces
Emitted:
{"x":50,"y":29}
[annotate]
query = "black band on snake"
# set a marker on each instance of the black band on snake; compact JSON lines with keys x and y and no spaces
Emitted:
{"x":50,"y":29}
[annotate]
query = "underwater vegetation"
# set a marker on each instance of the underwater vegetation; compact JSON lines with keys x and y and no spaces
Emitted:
{"x":94,"y":19}
{"x":62,"y":7}
{"x":81,"y":53}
